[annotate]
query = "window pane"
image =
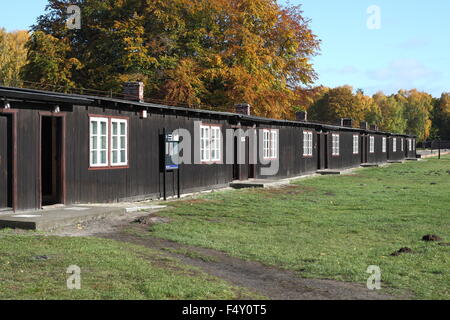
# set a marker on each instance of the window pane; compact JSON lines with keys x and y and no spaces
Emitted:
{"x":103,"y":128}
{"x":114,"y":128}
{"x":94,"y":157}
{"x":103,"y":157}
{"x":114,"y":157}
{"x":122,"y":142}
{"x":114,"y":143}
{"x":122,"y":156}
{"x":94,"y":127}
{"x":122,"y":128}
{"x":103,"y":142}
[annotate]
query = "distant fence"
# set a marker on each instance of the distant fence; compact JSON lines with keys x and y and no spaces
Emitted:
{"x":435,"y":144}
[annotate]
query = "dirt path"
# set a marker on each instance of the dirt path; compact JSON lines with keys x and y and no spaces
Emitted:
{"x":270,"y":282}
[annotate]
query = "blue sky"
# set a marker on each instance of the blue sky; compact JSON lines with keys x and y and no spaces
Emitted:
{"x":410,"y":50}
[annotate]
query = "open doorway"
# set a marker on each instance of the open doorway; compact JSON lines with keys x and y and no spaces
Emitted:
{"x":243,"y":169}
{"x":6,"y":163}
{"x":51,"y":160}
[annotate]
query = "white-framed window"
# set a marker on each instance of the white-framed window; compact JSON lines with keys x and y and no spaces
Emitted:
{"x":119,"y":143}
{"x":371,"y":144}
{"x":402,"y":142}
{"x":355,"y":144}
{"x":210,"y":143}
{"x":98,"y":136}
{"x":273,"y":144}
{"x":307,"y":143}
{"x":335,"y":145}
{"x":216,"y":143}
{"x":205,"y":143}
{"x":108,"y":142}
{"x":266,"y":144}
{"x":270,"y":144}
{"x":409,"y":144}
{"x":413,"y":144}
{"x":394,"y":145}
{"x":384,"y":145}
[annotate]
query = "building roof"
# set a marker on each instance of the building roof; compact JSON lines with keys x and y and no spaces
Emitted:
{"x":33,"y":95}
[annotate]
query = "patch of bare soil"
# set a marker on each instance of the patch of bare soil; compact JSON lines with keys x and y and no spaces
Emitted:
{"x":266,"y":281}
{"x":149,"y":220}
{"x":284,"y":190}
{"x":402,"y":250}
{"x":270,"y":282}
{"x":431,"y":237}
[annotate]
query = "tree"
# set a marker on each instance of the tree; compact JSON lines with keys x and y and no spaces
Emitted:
{"x":49,"y":61}
{"x":306,"y":97}
{"x":392,"y":113}
{"x":441,"y":117}
{"x":339,"y":103}
{"x":418,"y":107}
{"x":13,"y":55}
{"x":213,"y":52}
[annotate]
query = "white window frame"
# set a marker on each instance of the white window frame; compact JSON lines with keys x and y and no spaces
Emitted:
{"x":109,"y":145}
{"x":98,"y":150}
{"x":394,"y":145}
{"x":307,"y":143}
{"x":266,"y":144}
{"x":270,"y":144}
{"x":355,"y":144}
{"x":371,"y":144}
{"x":216,"y":144}
{"x":335,"y":145}
{"x":205,"y":143}
{"x":273,"y":144}
{"x":402,"y":142}
{"x":210,"y":143}
{"x":383,"y":146}
{"x":120,"y":148}
{"x":409,"y":144}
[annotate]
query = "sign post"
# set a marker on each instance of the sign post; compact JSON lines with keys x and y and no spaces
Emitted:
{"x":170,"y":156}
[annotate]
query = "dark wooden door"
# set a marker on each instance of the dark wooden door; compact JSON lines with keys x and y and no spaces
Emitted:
{"x":325,"y":150}
{"x":242,"y":170}
{"x":363,"y":149}
{"x":51,"y":160}
{"x":319,"y":151}
{"x":236,"y":167}
{"x":4,"y":164}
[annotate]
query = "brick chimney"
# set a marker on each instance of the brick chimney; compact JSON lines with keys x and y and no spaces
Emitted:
{"x":364,"y":125}
{"x":243,"y":108}
{"x":134,"y":91}
{"x":373,"y":127}
{"x":346,"y":122}
{"x":301,"y":116}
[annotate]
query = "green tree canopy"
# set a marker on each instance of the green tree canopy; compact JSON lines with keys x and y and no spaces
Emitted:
{"x":339,"y":103}
{"x":418,"y":109}
{"x":392,"y":113}
{"x":13,"y":56}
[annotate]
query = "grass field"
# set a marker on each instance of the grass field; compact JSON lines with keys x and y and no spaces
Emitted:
{"x":330,"y":227}
{"x":334,"y":227}
{"x":109,"y":270}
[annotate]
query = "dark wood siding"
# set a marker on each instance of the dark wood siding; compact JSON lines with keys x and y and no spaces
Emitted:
{"x":291,"y":159}
{"x":398,"y":154}
{"x":346,"y":158}
{"x":378,"y":156}
{"x":4,"y":163}
{"x":142,"y":177}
